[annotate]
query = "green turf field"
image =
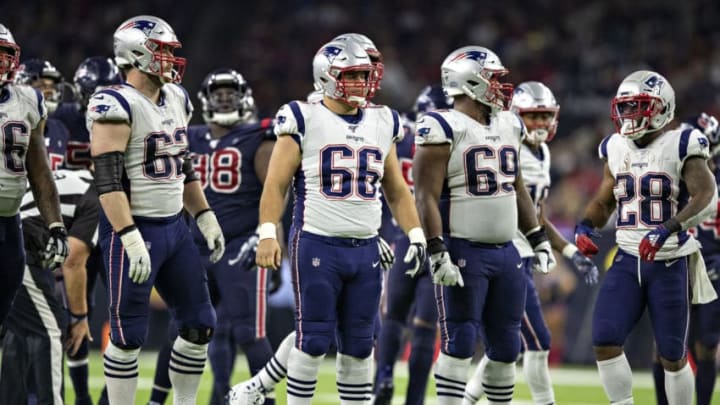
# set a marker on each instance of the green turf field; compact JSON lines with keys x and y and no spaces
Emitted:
{"x":573,"y":386}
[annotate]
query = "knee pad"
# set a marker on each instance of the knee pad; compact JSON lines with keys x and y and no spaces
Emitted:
{"x":199,"y":336}
{"x":315,"y":345}
{"x":82,"y":352}
{"x":461,"y":339}
{"x":506,"y":351}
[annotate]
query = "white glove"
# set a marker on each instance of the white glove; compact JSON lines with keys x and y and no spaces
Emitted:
{"x":544,"y":260}
{"x":387,"y":256}
{"x":138,"y":255}
{"x":443,"y":270}
{"x":210,"y":228}
{"x":416,"y":253}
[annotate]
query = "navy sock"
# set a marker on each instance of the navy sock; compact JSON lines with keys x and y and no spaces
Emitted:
{"x":258,"y":353}
{"x":705,"y":381}
{"x":419,"y":364}
{"x":659,"y":377}
{"x":78,"y":370}
{"x":161,"y":384}
{"x":388,"y":349}
{"x":221,"y":353}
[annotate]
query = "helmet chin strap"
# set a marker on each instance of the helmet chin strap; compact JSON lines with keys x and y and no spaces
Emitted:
{"x":538,"y":136}
{"x":225,"y":119}
{"x":627,"y":127}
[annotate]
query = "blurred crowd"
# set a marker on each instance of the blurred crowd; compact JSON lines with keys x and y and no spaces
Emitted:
{"x":581,"y":50}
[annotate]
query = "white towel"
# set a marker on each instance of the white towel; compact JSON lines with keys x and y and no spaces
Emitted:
{"x":702,"y":289}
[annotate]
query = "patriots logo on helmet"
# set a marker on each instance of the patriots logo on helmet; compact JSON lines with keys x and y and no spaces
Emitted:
{"x":142,"y":25}
{"x":473,"y":55}
{"x":100,"y":108}
{"x":654,"y":81}
{"x":331,"y":52}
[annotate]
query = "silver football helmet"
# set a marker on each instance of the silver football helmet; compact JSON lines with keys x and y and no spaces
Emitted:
{"x":369,"y":46}
{"x":474,"y":71}
{"x":331,"y":62}
{"x":535,"y":97}
{"x":9,"y":56}
{"x":234,"y":105}
{"x":645,"y":102}
{"x":148,"y":43}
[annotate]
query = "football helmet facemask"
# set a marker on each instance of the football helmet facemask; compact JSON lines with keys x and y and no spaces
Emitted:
{"x":93,"y":73}
{"x":537,"y":99}
{"x":148,"y":43}
{"x":330,"y":65}
{"x":645,"y":102}
{"x":475,"y":71}
{"x":368,"y":45}
{"x":226,"y":98}
{"x":43,"y":76}
{"x":431,"y":98}
{"x":9,"y":56}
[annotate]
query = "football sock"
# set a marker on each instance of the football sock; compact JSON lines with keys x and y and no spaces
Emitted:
{"x":187,"y":361}
{"x":474,"y":390}
{"x":450,"y":378}
{"x":161,"y":384}
{"x":616,"y":378}
{"x":680,"y":386}
{"x":221,"y":353}
{"x":354,"y":381}
{"x":420,"y":363}
{"x":537,"y":375}
{"x":659,"y":378}
{"x":275,"y":369}
{"x":388,"y":347}
{"x":121,"y":374}
{"x":302,"y":377}
{"x":498,"y":382}
{"x":705,"y":381}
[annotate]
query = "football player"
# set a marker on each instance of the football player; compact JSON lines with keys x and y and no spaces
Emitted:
{"x":338,"y":152}
{"x":474,"y":148}
{"x":22,"y":120}
{"x":536,"y":105}
{"x":138,"y":144}
{"x":661,"y":185}
{"x":704,"y":318}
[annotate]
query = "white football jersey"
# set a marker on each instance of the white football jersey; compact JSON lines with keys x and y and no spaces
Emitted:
{"x":535,"y":169}
{"x":649,"y":188}
{"x":338,"y":181}
{"x":21,"y":110}
{"x":158,"y":141}
{"x":480,"y":196}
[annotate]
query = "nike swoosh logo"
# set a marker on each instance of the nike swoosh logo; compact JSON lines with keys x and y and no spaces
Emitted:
{"x":519,"y":265}
{"x":235,"y":260}
{"x":100,"y":97}
{"x":669,"y":263}
{"x":375,"y":264}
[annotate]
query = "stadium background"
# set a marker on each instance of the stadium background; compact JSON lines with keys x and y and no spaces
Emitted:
{"x":581,"y":50}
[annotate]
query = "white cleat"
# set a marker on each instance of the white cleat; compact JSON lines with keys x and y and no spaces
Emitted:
{"x":249,"y":392}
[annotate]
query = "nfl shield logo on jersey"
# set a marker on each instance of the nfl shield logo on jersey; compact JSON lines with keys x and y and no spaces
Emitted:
{"x":316,"y":262}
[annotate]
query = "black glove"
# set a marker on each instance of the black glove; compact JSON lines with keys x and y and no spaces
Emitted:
{"x":275,"y":281}
{"x":56,"y":250}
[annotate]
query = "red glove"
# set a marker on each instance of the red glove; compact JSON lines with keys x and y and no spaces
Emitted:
{"x":584,"y":232}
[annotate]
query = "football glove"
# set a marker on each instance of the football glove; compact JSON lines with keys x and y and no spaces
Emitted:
{"x":652,"y":242}
{"x":387,"y":256}
{"x":416,"y":253}
{"x":210,"y":228}
{"x":584,"y":232}
{"x":443,"y":270}
{"x":137,"y":253}
{"x":708,"y":125}
{"x":544,"y":261}
{"x":246,"y":257}
{"x":582,"y":263}
{"x":56,"y":250}
{"x":275,"y":281}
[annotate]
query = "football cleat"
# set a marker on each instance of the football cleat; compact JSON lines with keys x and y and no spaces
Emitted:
{"x":246,"y":393}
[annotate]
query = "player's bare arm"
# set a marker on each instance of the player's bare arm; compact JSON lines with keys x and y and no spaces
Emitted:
{"x":262,"y":159}
{"x":284,"y":162}
{"x":429,"y":170}
{"x":527,"y":216}
{"x":700,"y":184}
{"x":194,"y":199}
{"x":111,"y":138}
{"x":398,"y":194}
{"x":603,"y":203}
{"x":75,"y":276}
{"x":40,"y":177}
{"x":557,"y":241}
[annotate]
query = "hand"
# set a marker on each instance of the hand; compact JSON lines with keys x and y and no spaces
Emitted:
{"x":586,"y":267}
{"x":275,"y":281}
{"x":138,"y":255}
{"x":444,"y":271}
{"x":268,"y":254}
{"x":246,"y":257}
{"x":387,"y":256}
{"x":544,"y":261}
{"x":210,"y":228}
{"x":56,"y":250}
{"x":78,"y":330}
{"x":416,"y":253}
{"x":708,"y":125}
{"x":584,"y":232}
{"x":653,"y":242}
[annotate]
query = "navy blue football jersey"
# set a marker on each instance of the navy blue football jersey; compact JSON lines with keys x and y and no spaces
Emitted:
{"x":56,"y":139}
{"x":227,"y":174}
{"x":77,"y":154}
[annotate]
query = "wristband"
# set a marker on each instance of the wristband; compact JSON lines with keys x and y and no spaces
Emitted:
{"x":127,"y":229}
{"x":197,"y":214}
{"x":436,"y":245}
{"x":672,"y":225}
{"x":56,"y":225}
{"x":77,"y":318}
{"x":569,"y":250}
{"x":267,"y":230}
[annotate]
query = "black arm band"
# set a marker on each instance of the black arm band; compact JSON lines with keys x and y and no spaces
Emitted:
{"x":109,"y":169}
{"x":127,"y":229}
{"x":435,"y":245}
{"x":672,"y":225}
{"x":537,"y":237}
{"x":188,"y":171}
{"x":197,"y":215}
